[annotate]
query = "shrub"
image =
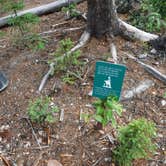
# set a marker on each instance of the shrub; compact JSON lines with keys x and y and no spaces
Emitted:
{"x":40,"y":110}
{"x":135,"y":142}
{"x":68,"y":62}
{"x":151,"y":16}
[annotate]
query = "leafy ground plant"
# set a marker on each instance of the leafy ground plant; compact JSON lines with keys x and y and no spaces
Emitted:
{"x":24,"y":35}
{"x":151,"y":15}
{"x":106,"y":109}
{"x":70,"y":10}
{"x":41,"y":111}
{"x":135,"y":142}
{"x":69,"y":62}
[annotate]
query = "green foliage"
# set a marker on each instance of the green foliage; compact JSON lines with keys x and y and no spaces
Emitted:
{"x":34,"y":41}
{"x":164,"y":95}
{"x":11,"y":5}
{"x":64,"y":63}
{"x":40,"y":110}
{"x":24,"y":24}
{"x":106,"y":109}
{"x":24,"y":21}
{"x":70,"y":10}
{"x":151,"y":16}
{"x":2,"y":34}
{"x":135,"y":142}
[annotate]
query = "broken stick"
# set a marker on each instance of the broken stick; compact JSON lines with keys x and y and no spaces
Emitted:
{"x":150,"y":69}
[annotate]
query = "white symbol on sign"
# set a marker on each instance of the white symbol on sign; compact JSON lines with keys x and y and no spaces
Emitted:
{"x":107,"y":83}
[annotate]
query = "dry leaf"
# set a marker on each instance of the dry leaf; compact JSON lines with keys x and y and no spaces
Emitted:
{"x":53,"y":163}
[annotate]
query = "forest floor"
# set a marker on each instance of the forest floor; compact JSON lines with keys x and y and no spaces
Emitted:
{"x":72,"y":142}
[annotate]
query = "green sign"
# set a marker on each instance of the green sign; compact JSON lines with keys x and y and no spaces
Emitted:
{"x":108,"y":79}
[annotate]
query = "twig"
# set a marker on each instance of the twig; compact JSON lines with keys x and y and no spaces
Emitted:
{"x":97,"y":161}
{"x":4,"y":160}
{"x":45,"y":78}
{"x":81,"y":111}
{"x":39,"y":158}
{"x":61,"y":23}
{"x":61,"y":30}
{"x":61,"y":115}
{"x":150,"y":69}
{"x":33,"y":132}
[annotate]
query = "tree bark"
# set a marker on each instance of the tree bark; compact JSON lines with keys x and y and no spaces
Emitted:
{"x":102,"y":17}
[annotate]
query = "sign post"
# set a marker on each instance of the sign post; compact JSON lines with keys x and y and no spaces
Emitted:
{"x":108,"y":79}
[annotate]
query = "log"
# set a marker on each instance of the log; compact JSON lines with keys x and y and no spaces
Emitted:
{"x":40,"y":10}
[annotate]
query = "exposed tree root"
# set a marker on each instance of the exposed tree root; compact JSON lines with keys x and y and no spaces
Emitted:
{"x":133,"y":32}
{"x":40,"y":10}
{"x":150,"y":69}
{"x":83,"y":40}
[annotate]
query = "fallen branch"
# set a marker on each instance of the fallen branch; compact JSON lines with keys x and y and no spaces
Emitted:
{"x":84,"y":38}
{"x":61,"y":30}
{"x":45,"y":78}
{"x":28,"y":121}
{"x":144,"y":85}
{"x":150,"y":69}
{"x":5,"y":161}
{"x":133,"y":32}
{"x":40,"y":10}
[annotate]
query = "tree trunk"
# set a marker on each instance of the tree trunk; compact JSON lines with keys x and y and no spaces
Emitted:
{"x":102,"y":17}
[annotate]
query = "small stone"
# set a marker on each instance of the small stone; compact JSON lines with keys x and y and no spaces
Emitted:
{"x":153,"y":51}
{"x":163,"y":102}
{"x":142,"y":56}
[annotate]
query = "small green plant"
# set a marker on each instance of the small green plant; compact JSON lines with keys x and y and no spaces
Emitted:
{"x":135,"y":142}
{"x":70,"y":10}
{"x":34,"y":41}
{"x":24,"y":37}
{"x":68,"y":62}
{"x":106,"y":109}
{"x":10,"y":5}
{"x":24,"y":22}
{"x":41,"y":111}
{"x":2,"y":34}
{"x":150,"y":17}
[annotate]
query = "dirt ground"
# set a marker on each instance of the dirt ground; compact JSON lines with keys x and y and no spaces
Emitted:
{"x":72,"y":142}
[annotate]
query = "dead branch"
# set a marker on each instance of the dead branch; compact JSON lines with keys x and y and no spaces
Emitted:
{"x":84,"y":38}
{"x":34,"y":134}
{"x":5,"y":161}
{"x":143,"y":86}
{"x":46,"y":76}
{"x":41,"y":10}
{"x":150,"y":69}
{"x":61,"y":30}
